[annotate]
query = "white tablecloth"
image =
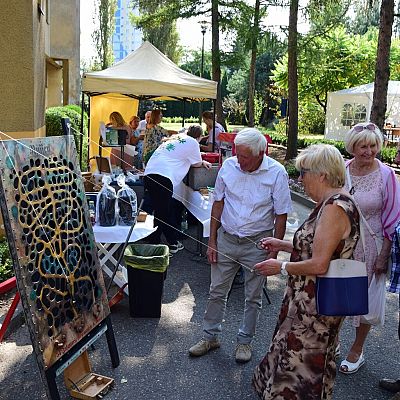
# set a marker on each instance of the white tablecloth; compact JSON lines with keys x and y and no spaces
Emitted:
{"x":200,"y":206}
{"x":118,"y":233}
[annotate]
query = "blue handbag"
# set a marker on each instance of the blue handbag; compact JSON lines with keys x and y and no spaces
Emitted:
{"x":343,"y":289}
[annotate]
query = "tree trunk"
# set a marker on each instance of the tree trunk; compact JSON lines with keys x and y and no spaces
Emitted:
{"x":216,"y":59}
{"x":252,"y":75}
{"x":291,"y":151}
{"x":382,"y":67}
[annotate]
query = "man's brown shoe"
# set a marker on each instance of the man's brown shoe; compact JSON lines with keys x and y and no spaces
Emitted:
{"x":243,"y":353}
{"x":390,"y":384}
{"x":203,"y":347}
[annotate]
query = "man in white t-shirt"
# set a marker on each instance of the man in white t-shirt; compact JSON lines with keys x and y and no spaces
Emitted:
{"x":166,"y":168}
{"x":252,"y":199}
{"x":142,"y":124}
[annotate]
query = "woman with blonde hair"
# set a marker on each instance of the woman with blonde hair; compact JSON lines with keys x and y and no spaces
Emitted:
{"x":377,"y":193}
{"x":300,"y":363}
{"x":117,"y":122}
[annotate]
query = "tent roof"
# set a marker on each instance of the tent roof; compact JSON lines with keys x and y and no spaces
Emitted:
{"x":147,"y":73}
{"x":393,"y":88}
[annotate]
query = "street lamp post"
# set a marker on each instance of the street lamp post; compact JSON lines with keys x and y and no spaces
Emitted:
{"x":203,"y":26}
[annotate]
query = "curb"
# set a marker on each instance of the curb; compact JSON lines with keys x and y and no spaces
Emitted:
{"x":302,"y":199}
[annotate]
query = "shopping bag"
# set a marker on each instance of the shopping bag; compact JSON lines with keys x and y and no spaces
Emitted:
{"x":343,"y":290}
{"x":376,"y":301}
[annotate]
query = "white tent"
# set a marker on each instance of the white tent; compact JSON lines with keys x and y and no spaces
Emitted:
{"x":149,"y":74}
{"x":349,"y":106}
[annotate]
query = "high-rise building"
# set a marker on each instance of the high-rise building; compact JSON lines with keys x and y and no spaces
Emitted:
{"x":126,"y":38}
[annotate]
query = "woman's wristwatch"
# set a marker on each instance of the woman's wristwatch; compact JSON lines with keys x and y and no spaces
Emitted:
{"x":283,"y":269}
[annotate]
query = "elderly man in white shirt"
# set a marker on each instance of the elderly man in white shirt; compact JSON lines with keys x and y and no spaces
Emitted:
{"x":143,"y":123}
{"x":252,"y":199}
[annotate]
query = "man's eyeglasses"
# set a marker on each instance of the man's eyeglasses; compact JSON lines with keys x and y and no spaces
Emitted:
{"x":369,"y":127}
{"x":303,"y":171}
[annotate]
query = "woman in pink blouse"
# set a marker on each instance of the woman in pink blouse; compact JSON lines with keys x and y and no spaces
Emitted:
{"x":376,"y":191}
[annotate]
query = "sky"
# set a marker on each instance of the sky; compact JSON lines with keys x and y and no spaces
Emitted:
{"x":190,"y":31}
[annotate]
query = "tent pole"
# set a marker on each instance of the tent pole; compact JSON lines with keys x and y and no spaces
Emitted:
{"x":183,"y":113}
{"x":81,"y":129}
{"x":213,"y":132}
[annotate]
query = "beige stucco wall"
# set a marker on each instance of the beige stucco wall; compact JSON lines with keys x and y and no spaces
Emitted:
{"x":22,"y":95}
{"x":64,"y":41}
{"x":28,"y":39}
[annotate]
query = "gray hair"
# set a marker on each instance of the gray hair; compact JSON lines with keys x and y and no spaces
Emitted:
{"x":253,"y":139}
{"x":364,"y":131}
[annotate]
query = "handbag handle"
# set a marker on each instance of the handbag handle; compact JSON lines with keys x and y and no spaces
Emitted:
{"x":362,"y":237}
{"x":363,"y":219}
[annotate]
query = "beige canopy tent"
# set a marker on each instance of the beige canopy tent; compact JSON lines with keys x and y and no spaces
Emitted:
{"x":149,"y":74}
{"x":144,"y":74}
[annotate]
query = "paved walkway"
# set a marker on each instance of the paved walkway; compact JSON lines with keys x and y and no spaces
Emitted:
{"x":154,"y":359}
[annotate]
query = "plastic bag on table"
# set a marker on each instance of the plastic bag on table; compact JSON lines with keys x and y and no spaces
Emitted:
{"x":376,"y":301}
{"x":106,"y":204}
{"x":127,"y":203}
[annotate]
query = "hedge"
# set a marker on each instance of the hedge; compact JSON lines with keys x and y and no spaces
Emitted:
{"x":54,"y":126}
{"x":387,"y":153}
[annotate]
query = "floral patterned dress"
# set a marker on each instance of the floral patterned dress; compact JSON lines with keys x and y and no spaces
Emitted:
{"x":152,"y":139}
{"x":300,"y":363}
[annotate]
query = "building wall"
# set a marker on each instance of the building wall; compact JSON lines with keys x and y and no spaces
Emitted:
{"x":64,"y":43}
{"x":19,"y":106}
{"x":126,"y":38}
{"x":30,"y":37}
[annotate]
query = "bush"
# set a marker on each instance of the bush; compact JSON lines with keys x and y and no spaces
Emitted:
{"x":6,"y":269}
{"x":54,"y":126}
{"x":311,"y":119}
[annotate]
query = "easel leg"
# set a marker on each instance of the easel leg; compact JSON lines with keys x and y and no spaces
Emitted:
{"x":51,"y":384}
{"x":112,"y":345}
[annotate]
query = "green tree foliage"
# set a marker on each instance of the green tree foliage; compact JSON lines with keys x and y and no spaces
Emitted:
{"x":102,"y":37}
{"x":6,"y":267}
{"x":366,"y":15}
{"x":158,"y":31}
{"x":335,"y":61}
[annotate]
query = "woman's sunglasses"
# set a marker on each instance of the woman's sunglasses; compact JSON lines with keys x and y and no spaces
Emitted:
{"x":360,"y":128}
{"x":303,"y":171}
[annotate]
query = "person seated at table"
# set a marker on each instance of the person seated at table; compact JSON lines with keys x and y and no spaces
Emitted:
{"x":166,"y":168}
{"x":143,"y":123}
{"x":137,"y":140}
{"x":154,"y":134}
{"x":208,"y":119}
{"x":117,"y":122}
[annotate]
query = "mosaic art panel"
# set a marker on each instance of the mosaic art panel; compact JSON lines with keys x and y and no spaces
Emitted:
{"x":51,"y":240}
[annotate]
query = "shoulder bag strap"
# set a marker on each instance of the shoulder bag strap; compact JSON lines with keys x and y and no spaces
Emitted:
{"x":362,"y":237}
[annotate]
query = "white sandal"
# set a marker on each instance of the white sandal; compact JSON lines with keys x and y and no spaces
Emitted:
{"x":351,"y":368}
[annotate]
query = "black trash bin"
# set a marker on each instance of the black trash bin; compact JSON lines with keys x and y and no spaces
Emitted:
{"x":147,"y":266}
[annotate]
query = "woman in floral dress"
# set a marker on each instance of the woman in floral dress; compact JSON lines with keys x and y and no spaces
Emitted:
{"x":300,"y":362}
{"x":153,"y":135}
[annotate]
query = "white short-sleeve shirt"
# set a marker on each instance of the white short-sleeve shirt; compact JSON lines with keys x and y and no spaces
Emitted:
{"x":252,"y":199}
{"x":174,"y":157}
